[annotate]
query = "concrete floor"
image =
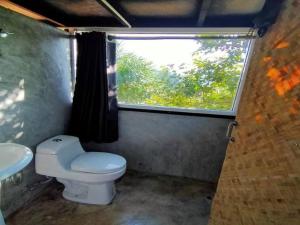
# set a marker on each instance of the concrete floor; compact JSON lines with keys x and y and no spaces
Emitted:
{"x":142,"y":199}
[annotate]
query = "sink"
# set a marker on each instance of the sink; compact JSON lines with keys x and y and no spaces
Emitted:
{"x":13,"y":158}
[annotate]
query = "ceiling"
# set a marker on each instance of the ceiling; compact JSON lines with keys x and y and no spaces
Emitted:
{"x":155,"y":13}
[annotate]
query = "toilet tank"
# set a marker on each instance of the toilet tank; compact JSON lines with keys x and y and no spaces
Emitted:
{"x":55,"y":155}
{"x":55,"y":145}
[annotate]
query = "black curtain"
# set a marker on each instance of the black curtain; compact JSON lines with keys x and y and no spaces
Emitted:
{"x":94,"y":114}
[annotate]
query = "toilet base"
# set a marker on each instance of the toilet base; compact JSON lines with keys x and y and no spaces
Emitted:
{"x":89,"y":193}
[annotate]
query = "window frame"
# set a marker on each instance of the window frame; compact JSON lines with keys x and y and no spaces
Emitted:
{"x":177,"y":110}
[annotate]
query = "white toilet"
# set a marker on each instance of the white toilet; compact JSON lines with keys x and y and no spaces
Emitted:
{"x":88,"y":176}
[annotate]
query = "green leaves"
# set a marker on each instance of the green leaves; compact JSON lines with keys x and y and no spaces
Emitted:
{"x":211,"y":83}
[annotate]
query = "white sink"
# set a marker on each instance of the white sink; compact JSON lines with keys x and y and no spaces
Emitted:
{"x":13,"y":158}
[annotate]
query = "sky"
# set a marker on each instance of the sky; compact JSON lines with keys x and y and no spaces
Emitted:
{"x":162,"y":52}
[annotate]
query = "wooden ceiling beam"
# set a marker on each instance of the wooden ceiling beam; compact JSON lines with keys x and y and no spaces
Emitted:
{"x":203,"y":11}
{"x":26,"y":12}
{"x":114,"y":12}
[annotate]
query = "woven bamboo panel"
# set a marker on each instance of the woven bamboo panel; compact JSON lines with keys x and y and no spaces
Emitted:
{"x":260,"y":179}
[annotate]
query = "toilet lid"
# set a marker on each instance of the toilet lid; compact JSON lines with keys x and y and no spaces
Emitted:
{"x":98,"y":162}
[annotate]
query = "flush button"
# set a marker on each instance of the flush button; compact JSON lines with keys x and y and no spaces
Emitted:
{"x":57,"y":140}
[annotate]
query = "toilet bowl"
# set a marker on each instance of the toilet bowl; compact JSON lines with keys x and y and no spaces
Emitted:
{"x":88,"y":177}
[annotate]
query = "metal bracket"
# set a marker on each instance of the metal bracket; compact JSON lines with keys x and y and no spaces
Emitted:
{"x":229,"y":130}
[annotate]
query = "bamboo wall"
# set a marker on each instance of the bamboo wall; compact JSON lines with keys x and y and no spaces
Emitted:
{"x":260,"y":179}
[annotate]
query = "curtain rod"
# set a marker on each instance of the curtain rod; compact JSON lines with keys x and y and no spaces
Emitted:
{"x":110,"y":37}
{"x":166,"y":30}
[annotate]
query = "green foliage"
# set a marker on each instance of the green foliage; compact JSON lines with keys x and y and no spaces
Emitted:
{"x":210,"y":84}
{"x":134,"y":77}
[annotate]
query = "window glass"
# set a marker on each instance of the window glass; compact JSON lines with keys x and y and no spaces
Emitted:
{"x":189,"y":73}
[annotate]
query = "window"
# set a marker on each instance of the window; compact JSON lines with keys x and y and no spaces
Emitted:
{"x":188,"y":72}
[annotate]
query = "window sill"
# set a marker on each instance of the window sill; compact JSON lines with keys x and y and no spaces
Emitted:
{"x":177,"y":111}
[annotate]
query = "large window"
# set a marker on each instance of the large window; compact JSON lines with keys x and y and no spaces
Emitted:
{"x":180,"y":72}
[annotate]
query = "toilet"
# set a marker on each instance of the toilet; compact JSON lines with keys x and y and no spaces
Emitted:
{"x":88,"y":177}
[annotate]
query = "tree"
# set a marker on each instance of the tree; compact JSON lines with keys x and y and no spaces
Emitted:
{"x":218,"y":64}
{"x":211,"y":83}
{"x":135,"y":77}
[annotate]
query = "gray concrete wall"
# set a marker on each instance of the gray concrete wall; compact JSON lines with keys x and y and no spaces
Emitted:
{"x":34,"y":93}
{"x":189,"y":146}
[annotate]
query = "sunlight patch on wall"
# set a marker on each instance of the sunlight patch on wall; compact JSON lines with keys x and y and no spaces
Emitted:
{"x":284,"y":79}
{"x":17,"y":95}
{"x":282,"y":44}
{"x":259,"y":118}
{"x":19,"y":135}
{"x":267,"y":59}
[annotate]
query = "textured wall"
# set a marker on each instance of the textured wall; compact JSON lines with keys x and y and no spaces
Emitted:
{"x":34,"y":92}
{"x":188,"y":146}
{"x":260,"y":179}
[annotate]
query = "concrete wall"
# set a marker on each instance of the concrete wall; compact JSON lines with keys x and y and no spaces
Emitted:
{"x":34,"y":93}
{"x":260,"y":179}
{"x":180,"y":145}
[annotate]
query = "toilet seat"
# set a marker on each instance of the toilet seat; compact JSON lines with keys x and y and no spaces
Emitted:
{"x":98,"y":163}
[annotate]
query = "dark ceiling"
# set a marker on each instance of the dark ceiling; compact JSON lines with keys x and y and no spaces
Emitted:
{"x":156,"y":13}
